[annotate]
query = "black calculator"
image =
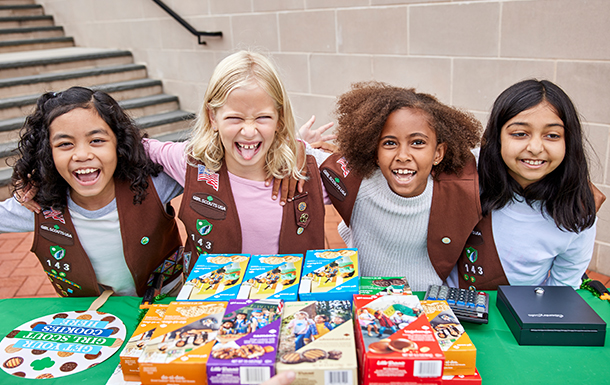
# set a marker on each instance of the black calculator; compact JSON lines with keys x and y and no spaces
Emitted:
{"x":468,"y":305}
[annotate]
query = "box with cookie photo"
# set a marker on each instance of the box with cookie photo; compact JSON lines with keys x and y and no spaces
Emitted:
{"x":246,"y":343}
{"x":181,"y":345}
{"x":215,"y":277}
{"x":460,"y":352}
{"x":395,"y":341}
{"x":272,"y":276}
{"x":317,"y":342}
{"x":329,"y":275}
{"x":384,"y":286}
{"x":135,"y":345}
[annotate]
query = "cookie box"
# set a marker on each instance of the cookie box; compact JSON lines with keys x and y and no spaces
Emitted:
{"x":317,"y":342}
{"x":473,"y":379}
{"x":395,"y":341}
{"x":215,"y":277}
{"x":384,"y":286}
{"x":135,"y":346}
{"x":460,"y":352}
{"x":181,"y":345}
{"x":273,"y":277}
{"x":329,"y":275}
{"x":246,"y":344}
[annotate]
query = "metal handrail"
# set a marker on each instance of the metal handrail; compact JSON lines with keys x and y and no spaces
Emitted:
{"x":185,"y":24}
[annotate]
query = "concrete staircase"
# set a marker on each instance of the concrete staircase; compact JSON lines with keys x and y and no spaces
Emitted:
{"x":36,"y":57}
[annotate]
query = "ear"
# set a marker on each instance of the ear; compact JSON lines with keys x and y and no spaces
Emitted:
{"x":441,"y":148}
{"x":212,"y":117}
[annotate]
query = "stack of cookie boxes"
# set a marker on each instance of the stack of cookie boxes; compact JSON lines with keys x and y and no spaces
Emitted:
{"x":317,"y":342}
{"x":329,"y":275}
{"x":273,"y":277}
{"x":403,"y":348}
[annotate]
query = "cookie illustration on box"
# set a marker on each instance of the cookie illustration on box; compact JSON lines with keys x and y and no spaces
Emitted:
{"x":246,"y":344}
{"x":61,"y":344}
{"x":272,"y":276}
{"x":329,"y":275}
{"x":215,"y":277}
{"x":317,"y":338}
{"x":182,"y":342}
{"x":393,"y":328}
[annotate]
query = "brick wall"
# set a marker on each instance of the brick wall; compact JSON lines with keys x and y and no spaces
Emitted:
{"x":464,"y":52}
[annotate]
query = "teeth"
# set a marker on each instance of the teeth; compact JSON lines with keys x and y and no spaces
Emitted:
{"x":86,"y":171}
{"x":248,"y":146}
{"x":403,"y":172}
{"x":533,"y":162}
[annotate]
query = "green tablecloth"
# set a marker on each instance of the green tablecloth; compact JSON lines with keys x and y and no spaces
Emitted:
{"x":500,"y":359}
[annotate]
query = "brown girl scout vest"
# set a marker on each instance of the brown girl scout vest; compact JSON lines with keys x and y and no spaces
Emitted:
{"x":150,"y":241}
{"x":212,"y":223}
{"x":455,"y":212}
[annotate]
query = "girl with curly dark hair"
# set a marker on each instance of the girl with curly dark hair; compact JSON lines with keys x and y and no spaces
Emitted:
{"x":405,"y":181}
{"x":100,"y":226}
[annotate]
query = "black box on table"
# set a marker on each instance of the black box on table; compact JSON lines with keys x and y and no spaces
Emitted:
{"x":550,"y":315}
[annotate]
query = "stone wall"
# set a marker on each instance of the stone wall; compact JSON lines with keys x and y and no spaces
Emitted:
{"x":464,"y":52}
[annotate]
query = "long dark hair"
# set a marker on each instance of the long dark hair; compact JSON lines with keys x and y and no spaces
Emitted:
{"x":565,"y":193}
{"x":36,"y":167}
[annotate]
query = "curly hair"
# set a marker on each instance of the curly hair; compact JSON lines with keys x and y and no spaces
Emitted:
{"x":242,"y":69}
{"x":564,"y":192}
{"x":363,"y":111}
{"x":36,"y":167}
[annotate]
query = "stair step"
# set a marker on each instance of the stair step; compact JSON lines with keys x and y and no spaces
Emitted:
{"x":31,"y":33}
{"x":13,"y":2}
{"x":26,"y":21}
{"x":35,"y":44}
{"x":26,"y":85}
{"x":18,"y":64}
{"x":21,"y":10}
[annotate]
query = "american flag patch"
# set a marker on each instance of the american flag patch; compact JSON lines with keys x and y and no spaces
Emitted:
{"x":209,"y":177}
{"x":55,"y":214}
{"x":343,"y":164}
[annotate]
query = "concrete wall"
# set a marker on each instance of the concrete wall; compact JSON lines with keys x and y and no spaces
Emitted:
{"x":464,"y":52}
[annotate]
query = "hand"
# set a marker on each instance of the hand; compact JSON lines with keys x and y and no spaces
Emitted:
{"x":326,"y":146}
{"x":311,"y":136}
{"x":283,"y":378}
{"x":26,"y":198}
{"x":289,"y":185}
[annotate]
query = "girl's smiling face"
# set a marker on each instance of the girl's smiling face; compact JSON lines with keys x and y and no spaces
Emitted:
{"x":533,"y":144}
{"x":84,"y":152}
{"x":246,"y":123}
{"x":407,"y":150}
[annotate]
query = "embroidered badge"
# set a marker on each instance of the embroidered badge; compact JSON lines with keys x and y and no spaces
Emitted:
{"x":209,"y":177}
{"x":144,"y":240}
{"x":304,"y":217}
{"x":54,"y":214}
{"x":58,"y":252}
{"x":300,"y":230}
{"x":343,"y":164}
{"x":472,"y":254}
{"x":203,"y":227}
{"x":333,"y":184}
{"x":302,"y":206}
{"x":56,"y":233}
{"x":209,"y":206}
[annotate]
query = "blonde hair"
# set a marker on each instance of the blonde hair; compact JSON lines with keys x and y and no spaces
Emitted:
{"x":240,"y":70}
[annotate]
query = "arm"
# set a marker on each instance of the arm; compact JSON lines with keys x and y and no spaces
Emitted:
{"x":170,"y":155}
{"x":569,"y":266}
{"x":15,"y":218}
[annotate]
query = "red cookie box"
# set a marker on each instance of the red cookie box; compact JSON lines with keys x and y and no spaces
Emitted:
{"x":408,"y":354}
{"x":246,"y":344}
{"x":136,"y":344}
{"x":473,"y":379}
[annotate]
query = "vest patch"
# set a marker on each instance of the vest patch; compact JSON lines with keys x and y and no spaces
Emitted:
{"x":56,"y":233}
{"x":333,"y":184}
{"x":475,"y":238}
{"x":209,"y":206}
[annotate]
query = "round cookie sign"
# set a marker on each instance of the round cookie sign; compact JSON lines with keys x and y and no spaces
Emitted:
{"x":60,"y":344}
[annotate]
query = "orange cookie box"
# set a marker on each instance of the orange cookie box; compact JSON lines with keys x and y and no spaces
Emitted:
{"x":460,"y":352}
{"x":395,"y":342}
{"x":135,"y":346}
{"x":180,"y":346}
